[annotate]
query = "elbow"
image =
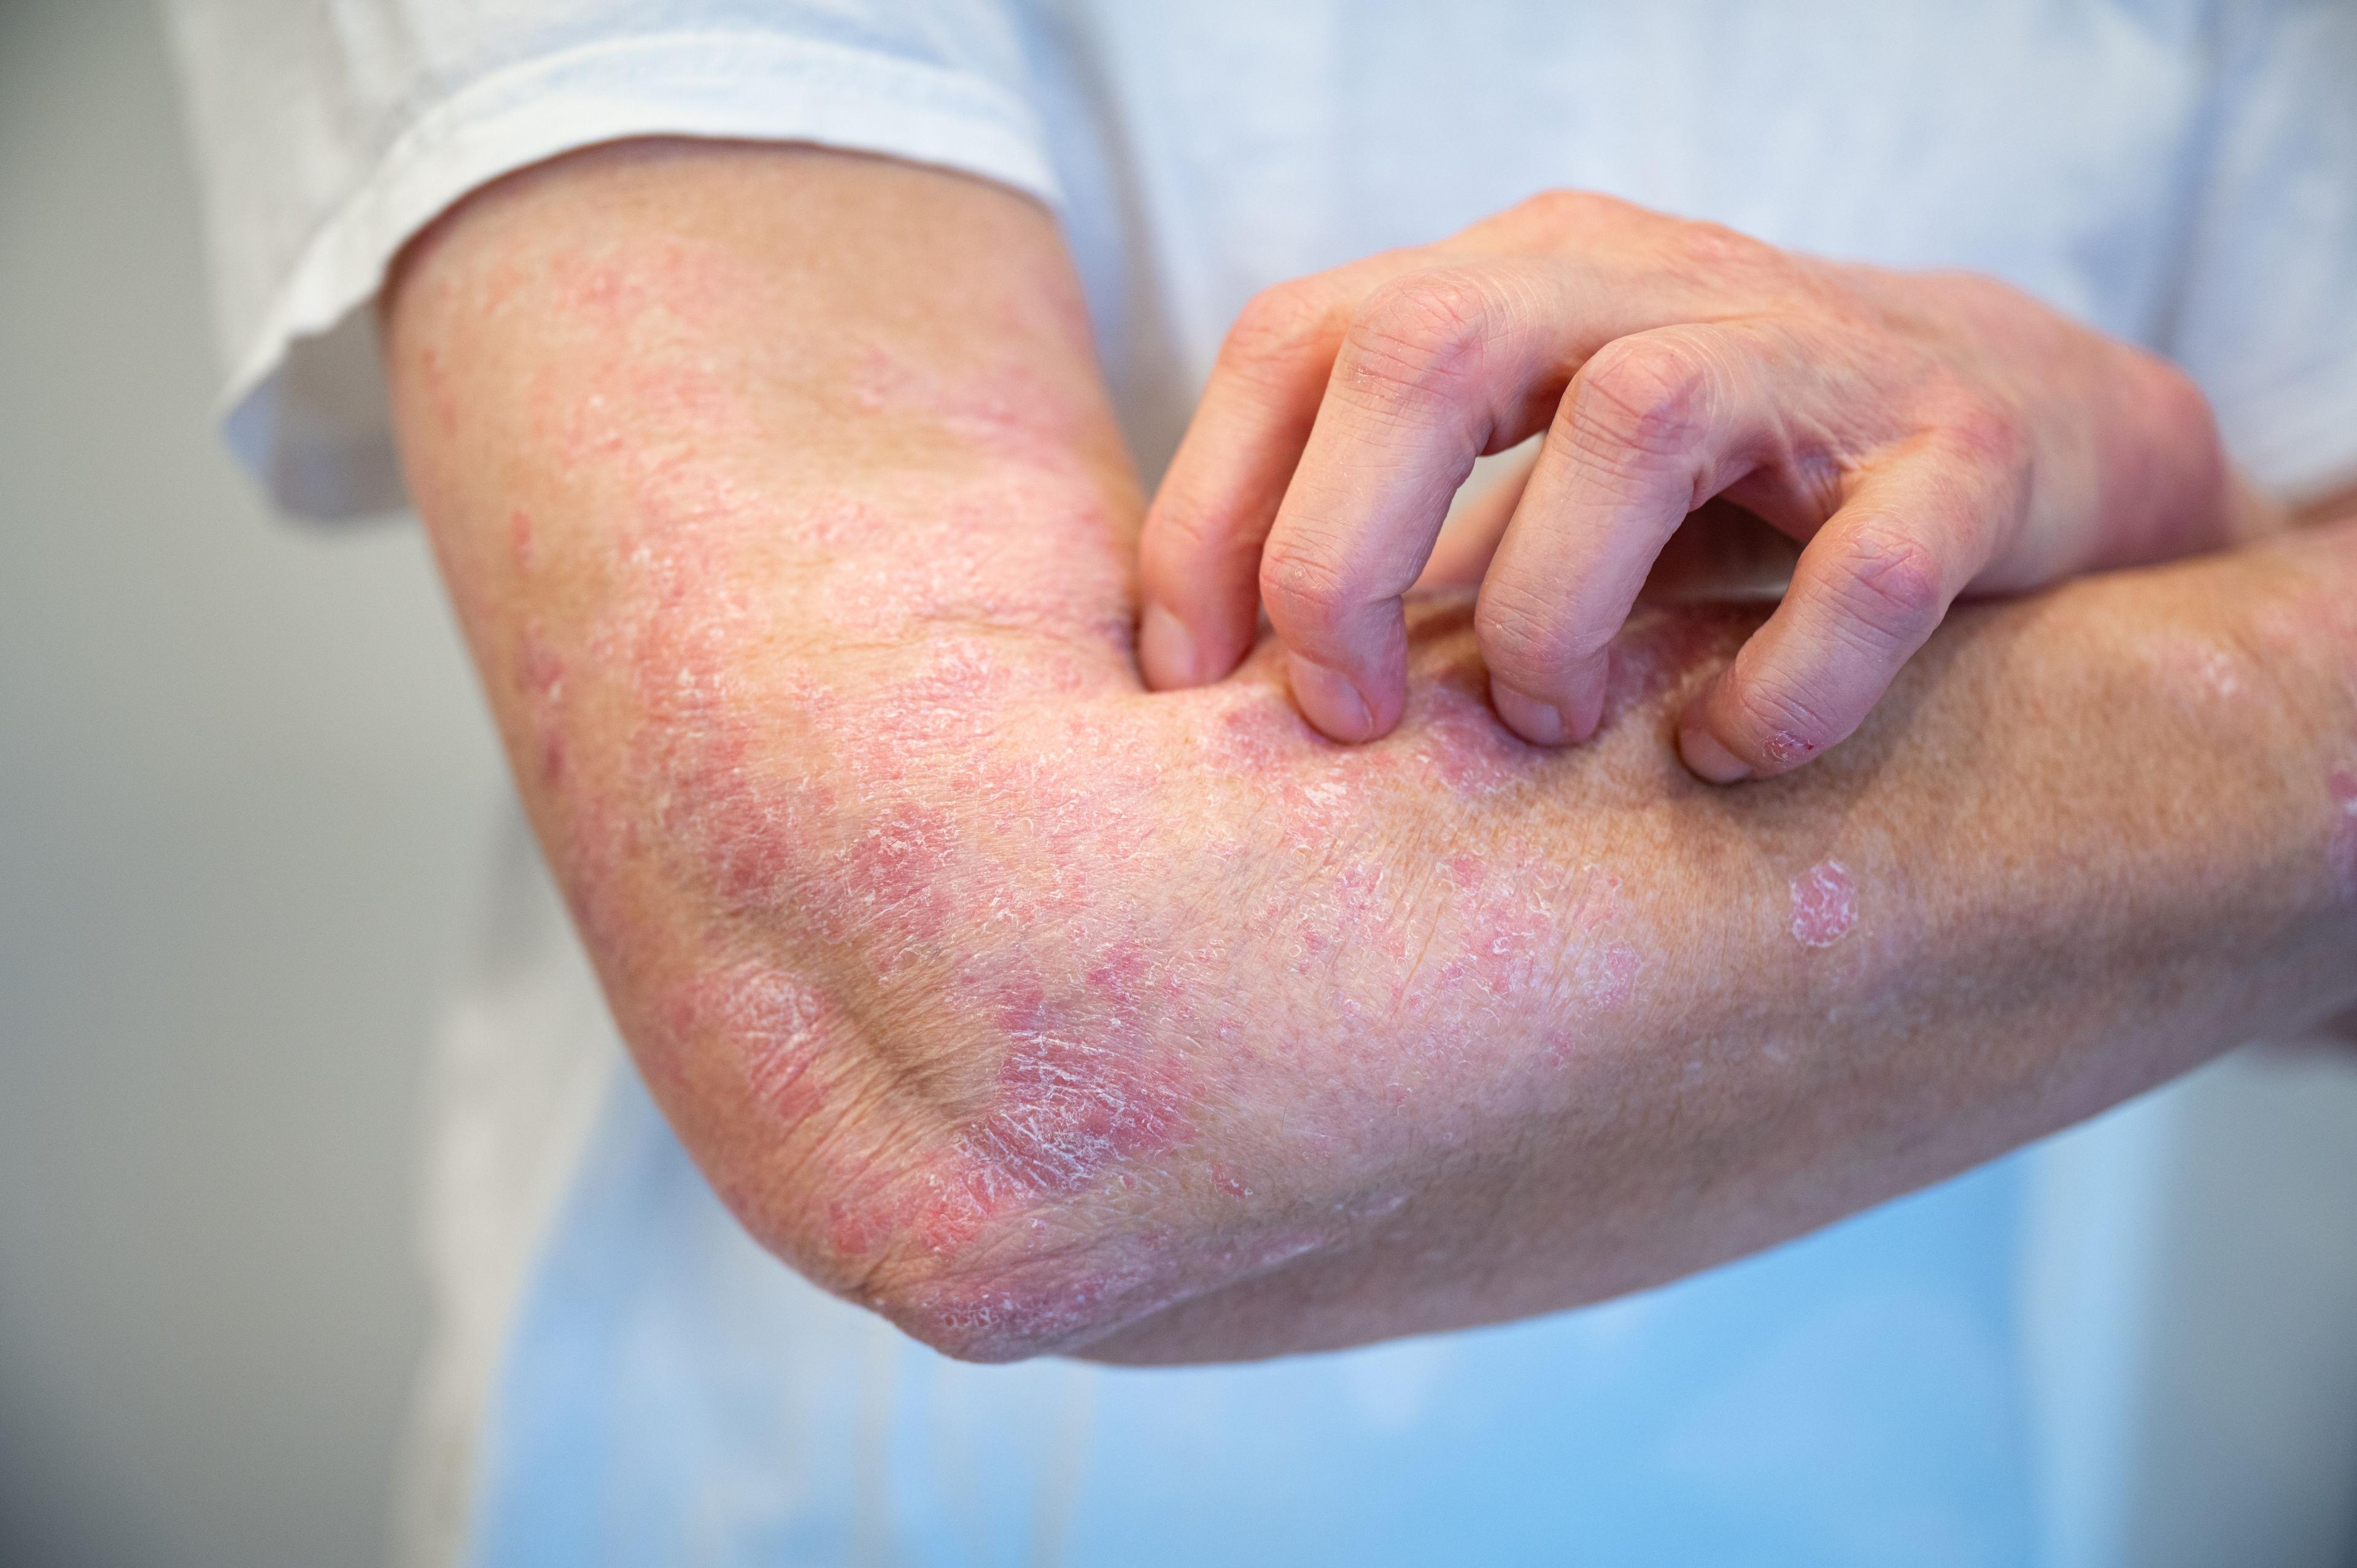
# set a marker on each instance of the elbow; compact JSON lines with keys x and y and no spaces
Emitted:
{"x":1059,"y":1273}
{"x":976,"y":1274}
{"x":966,"y":1239}
{"x":1017,"y":1223}
{"x":1013,"y":1311}
{"x":1037,"y":1297}
{"x":1008,"y":1164}
{"x":984,"y":1272}
{"x":1033,"y":1192}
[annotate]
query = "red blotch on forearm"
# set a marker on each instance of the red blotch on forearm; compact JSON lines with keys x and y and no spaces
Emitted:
{"x":2341,"y":846}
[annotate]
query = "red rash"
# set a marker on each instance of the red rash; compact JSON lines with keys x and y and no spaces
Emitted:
{"x":1083,"y":1090}
{"x":987,"y":758}
{"x":1084,"y":1082}
{"x":776,"y":1024}
{"x":1825,"y":904}
{"x":2341,"y":850}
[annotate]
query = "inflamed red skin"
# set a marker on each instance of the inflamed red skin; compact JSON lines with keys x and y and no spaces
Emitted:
{"x":781,"y":509}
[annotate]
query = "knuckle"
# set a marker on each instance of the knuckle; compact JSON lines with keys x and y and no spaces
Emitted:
{"x":1277,"y":329}
{"x":1980,"y":429}
{"x":1522,"y":637}
{"x":1889,"y":583}
{"x":1778,"y":722}
{"x":1184,"y":531}
{"x":2182,"y":408}
{"x":1981,"y":302}
{"x":1712,"y":254}
{"x":1308,"y":595}
{"x":1648,"y":396}
{"x":1567,"y":209}
{"x":1424,"y":334}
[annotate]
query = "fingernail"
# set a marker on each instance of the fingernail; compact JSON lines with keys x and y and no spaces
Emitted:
{"x":1333,"y":704}
{"x":1165,"y":648}
{"x":1539,"y":723}
{"x":1707,"y":759}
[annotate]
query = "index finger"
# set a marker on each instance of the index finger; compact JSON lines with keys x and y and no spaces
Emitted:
{"x":1440,"y":367}
{"x":1198,"y":553}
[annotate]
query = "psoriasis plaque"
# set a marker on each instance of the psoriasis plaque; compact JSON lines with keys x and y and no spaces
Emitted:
{"x":1825,"y":904}
{"x":819,"y":810}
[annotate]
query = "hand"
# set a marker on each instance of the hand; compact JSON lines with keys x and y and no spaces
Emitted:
{"x":1925,"y":435}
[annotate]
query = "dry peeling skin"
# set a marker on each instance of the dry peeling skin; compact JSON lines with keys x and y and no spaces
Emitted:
{"x":1825,"y":904}
{"x":979,"y":808}
{"x":1025,"y":878}
{"x":984,"y":816}
{"x":1030,"y":1009}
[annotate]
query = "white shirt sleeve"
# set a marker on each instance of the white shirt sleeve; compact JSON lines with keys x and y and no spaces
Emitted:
{"x":2266,"y":314}
{"x":327,"y":132}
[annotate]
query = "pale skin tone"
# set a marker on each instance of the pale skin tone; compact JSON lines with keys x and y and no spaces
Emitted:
{"x":1044,"y":1012}
{"x":1925,"y":435}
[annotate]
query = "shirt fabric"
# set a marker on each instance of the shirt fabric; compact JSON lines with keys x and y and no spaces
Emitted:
{"x":621,"y":1375}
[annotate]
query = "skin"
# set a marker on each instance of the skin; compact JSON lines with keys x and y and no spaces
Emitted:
{"x":1925,"y":435}
{"x":786,"y":520}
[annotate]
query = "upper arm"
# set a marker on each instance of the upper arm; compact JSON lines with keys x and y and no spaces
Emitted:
{"x":660,"y":356}
{"x":327,"y":134}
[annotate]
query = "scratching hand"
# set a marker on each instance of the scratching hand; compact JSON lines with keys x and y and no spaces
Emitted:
{"x":1923,"y":434}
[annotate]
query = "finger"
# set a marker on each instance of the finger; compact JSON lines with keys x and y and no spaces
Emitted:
{"x":1653,"y":425}
{"x":1868,"y":590}
{"x":1471,"y":535}
{"x":1438,"y":367}
{"x":1199,"y":551}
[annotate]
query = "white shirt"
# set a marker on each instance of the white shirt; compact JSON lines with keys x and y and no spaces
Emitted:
{"x":2180,"y":172}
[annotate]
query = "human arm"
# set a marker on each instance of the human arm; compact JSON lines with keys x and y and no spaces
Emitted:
{"x":789,"y":526}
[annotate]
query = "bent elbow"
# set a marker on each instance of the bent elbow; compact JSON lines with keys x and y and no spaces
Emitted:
{"x":998,"y":1315}
{"x":977,"y":1266}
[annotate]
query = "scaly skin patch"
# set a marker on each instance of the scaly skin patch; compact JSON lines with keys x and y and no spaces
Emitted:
{"x":988,"y":800}
{"x":967,"y":822}
{"x":1130,"y":997}
{"x":1825,"y":904}
{"x":776,"y":1025}
{"x":2340,"y":850}
{"x":1083,"y":1082}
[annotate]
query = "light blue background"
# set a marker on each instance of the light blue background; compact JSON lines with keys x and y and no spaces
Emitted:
{"x":672,"y":1395}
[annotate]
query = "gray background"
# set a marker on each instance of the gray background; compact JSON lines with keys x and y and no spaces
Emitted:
{"x":245,"y":793}
{"x":247,"y":799}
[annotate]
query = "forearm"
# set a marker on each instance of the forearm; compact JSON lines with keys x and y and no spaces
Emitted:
{"x":1038,"y":1011}
{"x":2098,"y":838}
{"x":2093,"y":841}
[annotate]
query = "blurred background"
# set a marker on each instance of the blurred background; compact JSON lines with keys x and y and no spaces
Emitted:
{"x":246,"y":799}
{"x":246,"y":791}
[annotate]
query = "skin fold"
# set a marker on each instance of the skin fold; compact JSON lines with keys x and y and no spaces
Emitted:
{"x":786,"y":518}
